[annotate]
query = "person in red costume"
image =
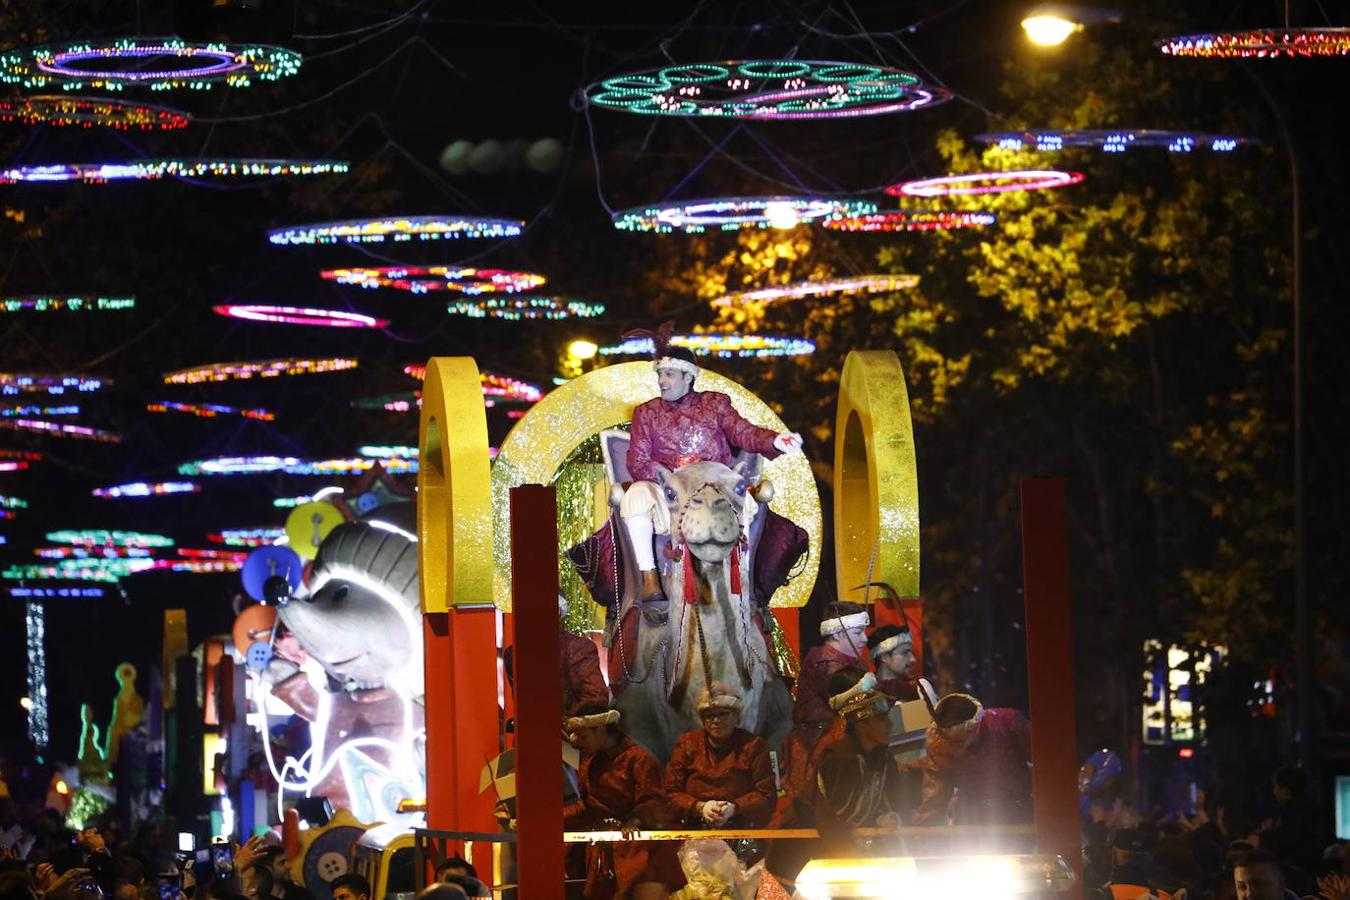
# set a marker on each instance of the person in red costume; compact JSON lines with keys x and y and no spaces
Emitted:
{"x":682,"y":426}
{"x":857,"y":784}
{"x":844,"y":629}
{"x":891,"y":650}
{"x":620,"y":789}
{"x":980,"y":756}
{"x":720,"y":776}
{"x":582,"y":683}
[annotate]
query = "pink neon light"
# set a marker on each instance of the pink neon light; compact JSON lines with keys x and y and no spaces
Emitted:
{"x":985,"y":183}
{"x":294,"y":315}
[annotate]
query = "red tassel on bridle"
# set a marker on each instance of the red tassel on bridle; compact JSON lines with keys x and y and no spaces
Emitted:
{"x":690,"y":583}
{"x":736,"y":569}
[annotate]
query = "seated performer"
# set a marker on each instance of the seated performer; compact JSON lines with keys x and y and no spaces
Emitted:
{"x":582,"y":683}
{"x":620,"y":787}
{"x":681,"y":426}
{"x":720,"y":776}
{"x":844,"y":629}
{"x":891,"y":649}
{"x":981,"y":754}
{"x":857,"y":782}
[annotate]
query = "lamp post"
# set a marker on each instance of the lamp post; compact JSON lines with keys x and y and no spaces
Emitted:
{"x":1062,"y":22}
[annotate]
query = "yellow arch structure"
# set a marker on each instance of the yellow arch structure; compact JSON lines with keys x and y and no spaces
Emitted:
{"x":604,"y":398}
{"x":454,"y":499}
{"x":876,"y":483}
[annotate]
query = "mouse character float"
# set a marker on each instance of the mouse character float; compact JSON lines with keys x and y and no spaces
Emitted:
{"x":697,"y":614}
{"x":357,"y":620}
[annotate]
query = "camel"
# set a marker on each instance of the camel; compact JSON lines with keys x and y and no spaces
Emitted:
{"x":706,"y":631}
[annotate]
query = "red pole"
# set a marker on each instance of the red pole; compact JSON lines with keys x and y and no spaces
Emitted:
{"x":440,"y":720}
{"x":534,"y":601}
{"x":1054,"y":727}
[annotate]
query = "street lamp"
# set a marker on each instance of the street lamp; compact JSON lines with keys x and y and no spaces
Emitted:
{"x":582,"y":349}
{"x":1049,"y":30}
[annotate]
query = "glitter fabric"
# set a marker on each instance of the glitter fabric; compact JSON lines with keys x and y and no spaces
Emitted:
{"x":544,"y":439}
{"x":876,"y":509}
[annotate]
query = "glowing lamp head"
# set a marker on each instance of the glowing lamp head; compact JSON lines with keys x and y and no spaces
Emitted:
{"x":1049,"y":29}
{"x":781,"y":215}
{"x":61,"y":787}
{"x":26,"y":702}
{"x":582,"y":349}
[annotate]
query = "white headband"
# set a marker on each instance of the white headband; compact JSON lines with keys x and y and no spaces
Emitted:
{"x":892,"y":642}
{"x":670,"y":362}
{"x":842,"y":623}
{"x":866,"y":683}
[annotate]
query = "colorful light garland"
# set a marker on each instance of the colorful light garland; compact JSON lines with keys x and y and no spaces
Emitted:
{"x":16,"y":383}
{"x":499,"y":387}
{"x":210,"y":410}
{"x":146,"y":489}
{"x":268,"y":368}
{"x":985,"y":183}
{"x":33,"y":593}
{"x":196,"y":65}
{"x":399,"y":401}
{"x":73,"y":303}
{"x":62,"y":429}
{"x":1260,"y":43}
{"x":912,"y":220}
{"x":352,"y":466}
{"x":514,"y":309}
{"x":98,"y":537}
{"x":292,"y":502}
{"x":766,"y":89}
{"x":12,"y":465}
{"x":91,"y":112}
{"x":1112,"y":140}
{"x":237,"y":465}
{"x":843,"y":287}
{"x":724,"y":346}
{"x":424,"y":228}
{"x":78,"y":552}
{"x":154,"y":169}
{"x":296,"y":315}
{"x":382,"y":452}
{"x":11,"y":412}
{"x":105,"y":570}
{"x":735,"y":213}
{"x":424,"y":279}
{"x":237,"y":556}
{"x":247,"y":537}
{"x":197,"y":566}
{"x":7,"y":502}
{"x":17,"y":460}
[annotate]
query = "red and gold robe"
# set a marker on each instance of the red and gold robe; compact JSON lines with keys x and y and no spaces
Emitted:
{"x":621,"y":784}
{"x":811,"y":715}
{"x":582,"y":682}
{"x":740,"y":773}
{"x":702,"y":426}
{"x":988,"y":772}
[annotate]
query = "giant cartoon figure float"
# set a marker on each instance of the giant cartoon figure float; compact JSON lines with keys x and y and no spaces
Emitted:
{"x":358,"y":677}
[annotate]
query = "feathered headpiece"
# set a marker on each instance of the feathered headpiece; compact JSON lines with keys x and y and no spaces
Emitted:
{"x":664,"y":356}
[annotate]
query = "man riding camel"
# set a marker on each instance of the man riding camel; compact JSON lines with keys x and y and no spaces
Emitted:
{"x":682,"y":426}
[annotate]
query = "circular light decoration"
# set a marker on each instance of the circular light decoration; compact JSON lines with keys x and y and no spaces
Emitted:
{"x":424,"y":279}
{"x":766,"y":89}
{"x":725,"y":346}
{"x":156,"y":63}
{"x":351,"y":466}
{"x":912,"y":220}
{"x":1260,"y":43}
{"x":73,"y":303}
{"x":842,"y":287}
{"x":153,"y":169}
{"x":61,"y":429}
{"x":98,"y":537}
{"x":268,"y":368}
{"x":295,"y":315}
{"x":237,"y":465}
{"x":146,"y":489}
{"x":735,"y":213}
{"x":247,"y":537}
{"x":423,"y":228}
{"x":515,"y":309}
{"x":210,"y":410}
{"x":1113,"y":140}
{"x":11,"y":412}
{"x":91,"y":112}
{"x":985,"y":183}
{"x":497,"y":387}
{"x":20,"y":383}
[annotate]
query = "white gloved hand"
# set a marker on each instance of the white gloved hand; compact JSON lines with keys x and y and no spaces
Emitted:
{"x":728,"y":810}
{"x":787,"y":442}
{"x":708,"y":810}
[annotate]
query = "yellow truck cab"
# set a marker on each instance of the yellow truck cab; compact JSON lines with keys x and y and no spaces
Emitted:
{"x":384,"y":856}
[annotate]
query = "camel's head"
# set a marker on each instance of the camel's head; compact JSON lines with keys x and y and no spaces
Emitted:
{"x":706,"y":500}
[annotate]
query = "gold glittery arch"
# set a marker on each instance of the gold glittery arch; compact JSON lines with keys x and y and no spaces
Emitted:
{"x":876,"y":483}
{"x":605,"y":398}
{"x":454,"y":500}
